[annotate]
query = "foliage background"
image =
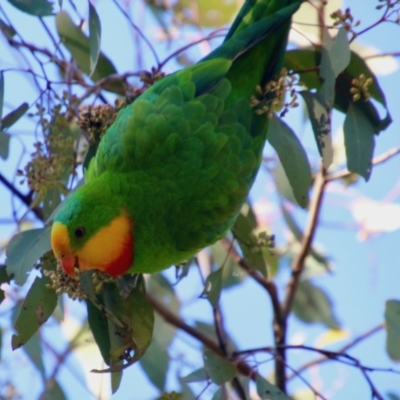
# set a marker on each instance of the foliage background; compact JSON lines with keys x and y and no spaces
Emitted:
{"x":357,"y":233}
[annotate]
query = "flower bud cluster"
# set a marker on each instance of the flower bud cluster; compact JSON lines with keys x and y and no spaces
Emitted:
{"x":271,"y":98}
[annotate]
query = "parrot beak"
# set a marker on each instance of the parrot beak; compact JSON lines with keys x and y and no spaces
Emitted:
{"x":61,"y":248}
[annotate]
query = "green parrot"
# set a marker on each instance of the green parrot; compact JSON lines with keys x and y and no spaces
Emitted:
{"x":172,"y":172}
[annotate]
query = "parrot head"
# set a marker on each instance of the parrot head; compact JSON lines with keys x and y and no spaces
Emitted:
{"x":90,"y":232}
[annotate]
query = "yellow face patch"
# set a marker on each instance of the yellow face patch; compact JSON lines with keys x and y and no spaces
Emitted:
{"x":107,"y":246}
{"x":60,"y":239}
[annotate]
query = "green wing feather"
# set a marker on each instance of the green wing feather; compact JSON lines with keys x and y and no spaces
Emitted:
{"x":195,"y":137}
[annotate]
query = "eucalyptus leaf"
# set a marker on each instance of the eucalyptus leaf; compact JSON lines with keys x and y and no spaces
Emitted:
{"x":220,"y":394}
{"x":268,"y":391}
{"x":312,"y":304}
{"x":327,"y":73}
{"x":23,"y":251}
{"x":94,"y":37}
{"x":78,"y":45}
{"x":12,"y":117}
{"x":335,"y":58}
{"x":116,"y":378}
{"x":213,"y":287}
{"x":218,"y":369}
{"x":33,"y":348}
{"x":98,"y":323}
{"x":129,"y":323}
{"x":392,"y":322}
{"x":359,"y":142}
{"x":53,"y":391}
{"x":8,"y":31}
{"x":37,"y":8}
{"x":4,"y":278}
{"x":309,"y":60}
{"x":232,"y":274}
{"x":320,"y":119}
{"x":243,"y":231}
{"x":293,"y":158}
{"x":339,"y":52}
{"x":155,"y":363}
{"x":199,"y":375}
{"x":4,"y":145}
{"x":37,"y":307}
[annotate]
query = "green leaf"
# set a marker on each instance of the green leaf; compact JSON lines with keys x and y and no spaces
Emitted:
{"x":116,"y":378}
{"x":94,"y":37}
{"x":232,"y":274}
{"x":8,"y":31}
{"x":98,"y":323}
{"x":321,"y":124}
{"x":293,"y":158}
{"x":53,"y":391}
{"x":9,"y":120}
{"x":268,"y":391}
{"x":187,"y":393}
{"x":12,"y":117}
{"x":24,"y":249}
{"x":392,"y":321}
{"x":130,"y":322}
{"x":208,"y":330}
{"x":37,"y":307}
{"x":220,"y":394}
{"x":4,"y":278}
{"x":359,"y":142}
{"x":312,"y":304}
{"x":213,"y":287}
{"x":78,"y":45}
{"x":38,"y":8}
{"x":282,"y":183}
{"x":218,"y":369}
{"x":308,"y":59}
{"x":4,"y":145}
{"x":393,"y":396}
{"x":162,"y":289}
{"x":243,"y":230}
{"x":199,"y":375}
{"x":327,"y":91}
{"x":155,"y":362}
{"x":335,"y":58}
{"x":339,"y":52}
{"x":33,"y":348}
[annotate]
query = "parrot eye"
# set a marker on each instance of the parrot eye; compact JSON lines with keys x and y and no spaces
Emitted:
{"x":79,"y":232}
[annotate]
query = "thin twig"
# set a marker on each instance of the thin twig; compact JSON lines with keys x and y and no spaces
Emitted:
{"x":306,"y":241}
{"x":348,"y":346}
{"x":377,"y":160}
{"x":268,"y":285}
{"x":25,"y":198}
{"x":174,"y":320}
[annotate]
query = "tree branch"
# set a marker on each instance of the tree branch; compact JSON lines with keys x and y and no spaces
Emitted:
{"x":306,"y":241}
{"x":341,"y":351}
{"x":26,"y":199}
{"x":377,"y":160}
{"x":174,"y":320}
